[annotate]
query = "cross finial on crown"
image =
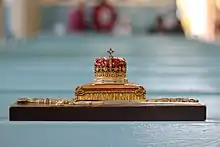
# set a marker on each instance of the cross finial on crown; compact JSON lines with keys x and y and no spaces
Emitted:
{"x":110,"y":51}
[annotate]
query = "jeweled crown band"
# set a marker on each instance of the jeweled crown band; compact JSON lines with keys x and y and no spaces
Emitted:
{"x":111,"y":80}
{"x":107,"y":69}
{"x":110,"y":74}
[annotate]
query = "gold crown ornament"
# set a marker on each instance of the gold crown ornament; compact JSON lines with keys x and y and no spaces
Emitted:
{"x":110,"y":82}
{"x":110,"y":70}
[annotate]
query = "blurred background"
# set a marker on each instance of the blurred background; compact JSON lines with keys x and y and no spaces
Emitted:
{"x":25,"y":18}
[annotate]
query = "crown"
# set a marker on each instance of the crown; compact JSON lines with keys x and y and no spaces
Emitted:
{"x":110,"y":69}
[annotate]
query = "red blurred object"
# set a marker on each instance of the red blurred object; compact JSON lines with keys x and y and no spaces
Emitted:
{"x":104,"y":17}
{"x":76,"y":21}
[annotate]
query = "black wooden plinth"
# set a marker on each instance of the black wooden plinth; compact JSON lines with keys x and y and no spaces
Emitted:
{"x":145,"y":112}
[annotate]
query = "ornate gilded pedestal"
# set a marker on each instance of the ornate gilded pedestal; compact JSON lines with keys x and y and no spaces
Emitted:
{"x":110,"y":97}
{"x":110,"y":83}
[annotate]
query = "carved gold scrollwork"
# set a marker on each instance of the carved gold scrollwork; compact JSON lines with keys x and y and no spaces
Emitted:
{"x":140,"y":91}
{"x":107,"y":95}
{"x":79,"y":91}
{"x":110,"y":74}
{"x":23,"y":100}
{"x":105,"y":69}
{"x":123,"y":69}
{"x":97,"y":69}
{"x":115,"y":69}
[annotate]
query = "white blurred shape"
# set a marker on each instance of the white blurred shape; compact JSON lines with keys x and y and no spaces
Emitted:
{"x":59,"y":29}
{"x":123,"y":27}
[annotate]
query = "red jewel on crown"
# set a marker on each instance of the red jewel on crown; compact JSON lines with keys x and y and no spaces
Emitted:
{"x":104,"y":62}
{"x":113,"y":61}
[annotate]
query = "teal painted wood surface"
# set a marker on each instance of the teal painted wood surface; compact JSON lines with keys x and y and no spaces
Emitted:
{"x":167,"y":66}
{"x":110,"y":134}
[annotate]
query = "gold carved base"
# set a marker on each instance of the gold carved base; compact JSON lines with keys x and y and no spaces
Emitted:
{"x":110,"y":92}
{"x":71,"y":102}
